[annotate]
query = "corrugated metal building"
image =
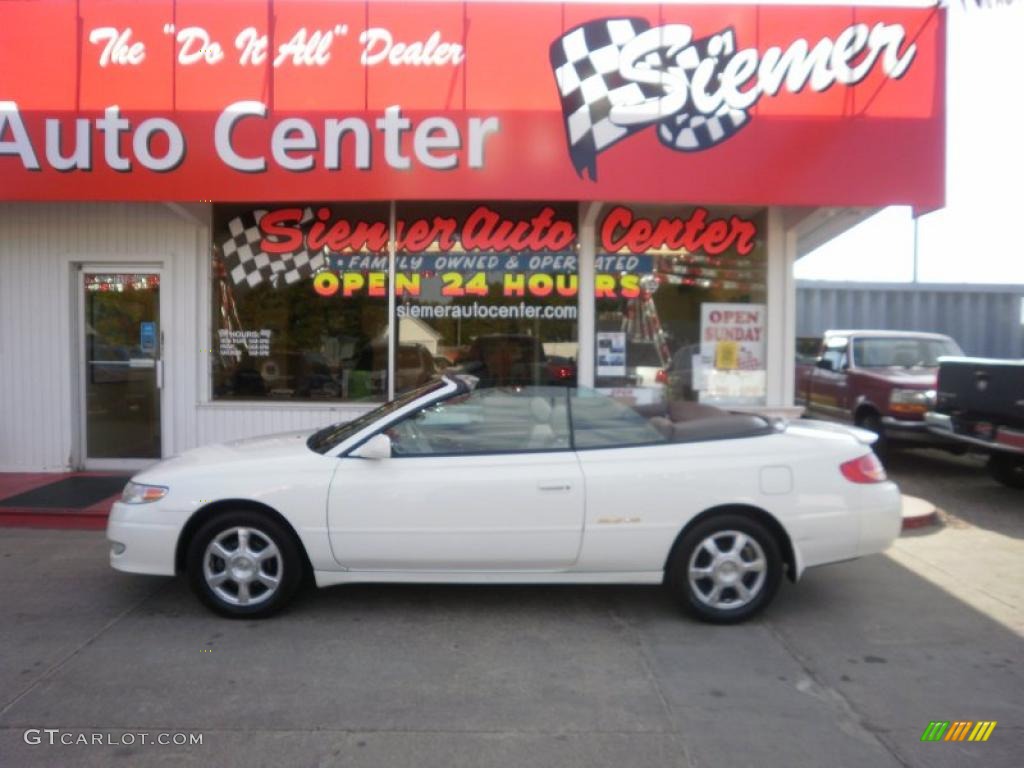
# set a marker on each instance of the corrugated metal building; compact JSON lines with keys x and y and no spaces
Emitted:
{"x":987,"y":320}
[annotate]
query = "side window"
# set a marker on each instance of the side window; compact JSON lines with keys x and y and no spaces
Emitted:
{"x":835,"y":353}
{"x":498,"y":420}
{"x":598,"y":421}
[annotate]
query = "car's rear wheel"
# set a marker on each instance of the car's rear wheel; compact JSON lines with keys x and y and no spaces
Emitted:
{"x":726,"y":569}
{"x":244,"y":565}
{"x":1007,"y":469}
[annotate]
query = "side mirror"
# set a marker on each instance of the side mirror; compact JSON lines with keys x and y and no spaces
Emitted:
{"x":377,"y":447}
{"x":825,"y":365}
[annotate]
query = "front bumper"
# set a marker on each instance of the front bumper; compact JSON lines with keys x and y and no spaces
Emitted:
{"x":145,"y":546}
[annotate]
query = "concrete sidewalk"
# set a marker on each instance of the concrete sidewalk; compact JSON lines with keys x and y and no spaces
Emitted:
{"x":846,"y":669}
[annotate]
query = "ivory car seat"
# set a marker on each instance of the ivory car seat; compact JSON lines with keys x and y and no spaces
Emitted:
{"x":560,"y":423}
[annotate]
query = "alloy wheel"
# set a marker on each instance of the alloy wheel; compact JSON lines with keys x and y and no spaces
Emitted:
{"x":727,"y":570}
{"x":242,"y":566}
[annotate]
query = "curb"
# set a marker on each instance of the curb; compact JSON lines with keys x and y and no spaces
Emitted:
{"x":89,"y":519}
{"x":918,"y":513}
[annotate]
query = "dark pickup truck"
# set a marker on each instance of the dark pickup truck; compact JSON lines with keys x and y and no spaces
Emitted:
{"x":980,"y":404}
{"x":883,"y":381}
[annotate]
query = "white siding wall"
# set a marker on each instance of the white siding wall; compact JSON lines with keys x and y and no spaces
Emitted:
{"x":221,"y":422}
{"x":39,"y":245}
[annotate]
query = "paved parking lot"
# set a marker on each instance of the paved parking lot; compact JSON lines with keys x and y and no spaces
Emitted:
{"x":846,"y":669}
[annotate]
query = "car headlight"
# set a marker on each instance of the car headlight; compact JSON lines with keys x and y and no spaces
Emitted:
{"x":912,"y":400}
{"x":138,"y":493}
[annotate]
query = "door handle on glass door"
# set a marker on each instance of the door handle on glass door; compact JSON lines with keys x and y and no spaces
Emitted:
{"x":554,"y":486}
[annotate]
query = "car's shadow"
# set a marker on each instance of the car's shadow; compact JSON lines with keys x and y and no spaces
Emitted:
{"x":368,"y":601}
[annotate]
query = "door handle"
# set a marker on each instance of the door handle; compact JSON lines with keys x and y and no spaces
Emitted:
{"x":159,"y":374}
{"x":555,"y":486}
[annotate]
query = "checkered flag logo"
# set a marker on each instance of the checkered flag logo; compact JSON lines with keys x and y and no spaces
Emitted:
{"x":601,"y":106}
{"x":249,"y":266}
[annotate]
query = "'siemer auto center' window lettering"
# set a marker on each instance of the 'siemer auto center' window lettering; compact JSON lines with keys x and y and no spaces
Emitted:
{"x":300,"y":300}
{"x":300,"y":297}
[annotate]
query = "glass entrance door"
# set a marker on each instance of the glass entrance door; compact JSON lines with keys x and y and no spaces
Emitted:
{"x":123,"y":370}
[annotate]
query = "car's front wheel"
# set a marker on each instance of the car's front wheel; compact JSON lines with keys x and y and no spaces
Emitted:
{"x":244,"y":565}
{"x":726,"y":569}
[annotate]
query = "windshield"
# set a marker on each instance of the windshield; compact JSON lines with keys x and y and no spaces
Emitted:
{"x":896,"y":352}
{"x":329,"y":437}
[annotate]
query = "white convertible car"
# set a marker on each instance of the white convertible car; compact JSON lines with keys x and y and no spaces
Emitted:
{"x":512,"y":485}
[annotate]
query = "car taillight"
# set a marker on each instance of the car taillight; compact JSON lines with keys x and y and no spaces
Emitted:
{"x":866,"y":469}
{"x":661,"y":377}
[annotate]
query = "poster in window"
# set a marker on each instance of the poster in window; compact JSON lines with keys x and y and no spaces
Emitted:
{"x":611,"y":353}
{"x":732,"y":360}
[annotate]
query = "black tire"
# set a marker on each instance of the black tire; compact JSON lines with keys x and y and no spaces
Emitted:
{"x":872,"y":422}
{"x":1007,"y":469}
{"x":286,"y":565}
{"x":693,"y":595}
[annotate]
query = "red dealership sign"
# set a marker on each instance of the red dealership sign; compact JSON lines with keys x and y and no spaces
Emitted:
{"x":251,"y":100}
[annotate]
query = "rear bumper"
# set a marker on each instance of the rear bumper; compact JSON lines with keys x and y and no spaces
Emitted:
{"x":881,"y":518}
{"x":941,"y":425}
{"x":139,"y":545}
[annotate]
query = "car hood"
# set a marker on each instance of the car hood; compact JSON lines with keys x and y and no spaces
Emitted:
{"x":280,"y":446}
{"x":910,"y":378}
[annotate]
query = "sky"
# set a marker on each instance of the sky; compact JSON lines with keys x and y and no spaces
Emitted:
{"x":979,"y":236}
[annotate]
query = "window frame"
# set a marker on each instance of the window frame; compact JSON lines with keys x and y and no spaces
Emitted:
{"x":845,"y":352}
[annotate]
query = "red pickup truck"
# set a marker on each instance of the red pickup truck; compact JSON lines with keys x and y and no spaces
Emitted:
{"x":883,"y":381}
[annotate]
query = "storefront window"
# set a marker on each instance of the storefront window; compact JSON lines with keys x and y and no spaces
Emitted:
{"x":680,"y":304}
{"x":300,"y":300}
{"x":289,"y":323}
{"x":488,"y":290}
